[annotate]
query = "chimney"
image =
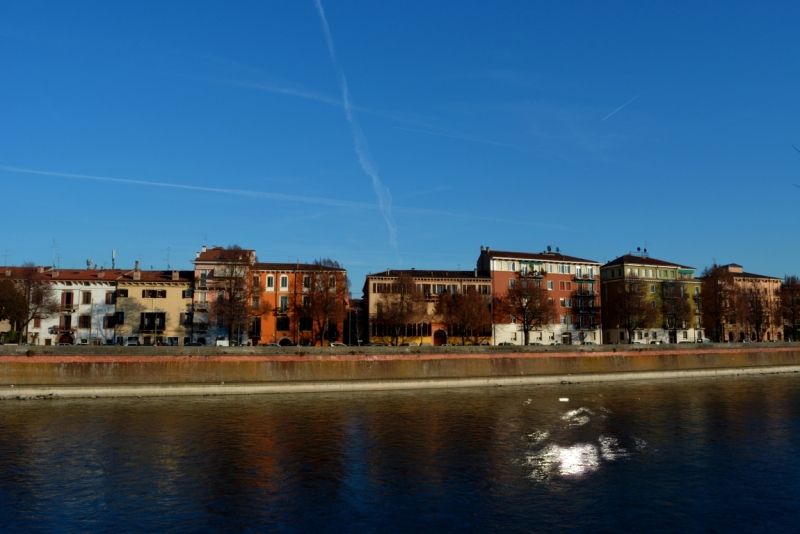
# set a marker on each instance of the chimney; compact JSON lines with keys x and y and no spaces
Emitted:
{"x":101,"y":273}
{"x":40,"y":269}
{"x":56,"y":273}
{"x":197,"y":255}
{"x":174,"y":275}
{"x":481,"y":248}
{"x":476,"y":272}
{"x":204,"y":248}
{"x":8,"y":273}
{"x":137,"y":274}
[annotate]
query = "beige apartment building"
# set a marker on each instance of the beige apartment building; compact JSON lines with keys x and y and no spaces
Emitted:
{"x":154,"y":307}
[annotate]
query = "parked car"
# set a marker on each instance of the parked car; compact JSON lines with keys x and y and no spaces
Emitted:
{"x":131,"y":342}
{"x":338,"y":345}
{"x":505,"y":344}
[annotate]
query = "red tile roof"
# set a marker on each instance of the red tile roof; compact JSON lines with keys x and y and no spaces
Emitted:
{"x":541,"y":256}
{"x":641,"y":260}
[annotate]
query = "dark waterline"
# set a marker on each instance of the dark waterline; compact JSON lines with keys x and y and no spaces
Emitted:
{"x":711,"y":455}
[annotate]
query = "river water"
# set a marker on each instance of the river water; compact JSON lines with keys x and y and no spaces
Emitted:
{"x":706,"y":455}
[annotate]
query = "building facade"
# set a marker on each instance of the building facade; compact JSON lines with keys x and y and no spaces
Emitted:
{"x":662,"y":285}
{"x":573,"y":284}
{"x":757,"y":312}
{"x":425,"y":328}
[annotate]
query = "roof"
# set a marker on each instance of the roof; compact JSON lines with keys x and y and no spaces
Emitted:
{"x":753,"y":275}
{"x":642,"y":260}
{"x":418,"y":273}
{"x":292,"y":267}
{"x":96,"y":275}
{"x":218,"y":254}
{"x":540,"y":256}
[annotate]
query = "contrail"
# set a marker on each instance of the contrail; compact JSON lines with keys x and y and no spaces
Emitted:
{"x":359,"y":141}
{"x":466,"y":138}
{"x":622,"y":106}
{"x":241,"y":192}
{"x":275,"y":196}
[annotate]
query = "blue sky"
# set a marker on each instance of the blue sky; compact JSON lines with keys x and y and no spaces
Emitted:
{"x":594,"y":127}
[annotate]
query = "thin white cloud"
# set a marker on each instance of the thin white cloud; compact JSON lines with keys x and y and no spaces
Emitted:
{"x":348,"y":204}
{"x":622,"y":106}
{"x":359,"y":141}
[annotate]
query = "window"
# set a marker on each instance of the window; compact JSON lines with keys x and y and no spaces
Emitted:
{"x":87,"y":297}
{"x":652,"y":288}
{"x":565,"y":286}
{"x":284,"y":304}
{"x":549,"y":267}
{"x":110,"y":297}
{"x":122,"y":293}
{"x":282,"y":324}
{"x":512,"y":283}
{"x":683,"y":291}
{"x":256,"y":280}
{"x":108,"y":321}
{"x":256,"y":302}
{"x":119,"y":318}
{"x":591,"y":272}
{"x":650,"y":273}
{"x":563,"y":319}
{"x":85,"y":321}
{"x":37,"y":321}
{"x":653,"y":304}
{"x":332,"y":282}
{"x":203,"y":277}
{"x":172,"y":341}
{"x":306,"y":301}
{"x":187,"y":294}
{"x":696,"y":291}
{"x":513,"y":319}
{"x":524,"y":269}
{"x":154,"y":293}
{"x":306,"y":281}
{"x":284,"y":282}
{"x":305,"y":324}
{"x":270,"y":282}
{"x":636,"y":272}
{"x":628,"y":271}
{"x":152,"y":321}
{"x":550,"y":284}
{"x":512,"y":266}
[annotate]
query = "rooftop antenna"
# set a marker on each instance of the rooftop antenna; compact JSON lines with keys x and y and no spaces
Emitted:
{"x":168,"y":267}
{"x":57,"y":262}
{"x":548,"y":248}
{"x":54,"y":247}
{"x":89,"y":263}
{"x":113,"y":257}
{"x":5,"y":257}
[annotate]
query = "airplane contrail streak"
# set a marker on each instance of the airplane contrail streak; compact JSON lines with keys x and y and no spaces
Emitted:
{"x":622,"y":106}
{"x":359,"y":141}
{"x":349,"y":204}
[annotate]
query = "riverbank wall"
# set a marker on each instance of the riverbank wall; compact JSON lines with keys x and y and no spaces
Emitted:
{"x":27,"y":372}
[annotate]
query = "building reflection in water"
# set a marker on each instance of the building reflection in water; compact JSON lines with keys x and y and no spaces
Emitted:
{"x":423,"y":459}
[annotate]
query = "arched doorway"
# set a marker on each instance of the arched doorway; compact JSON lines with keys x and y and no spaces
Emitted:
{"x":439,"y":338}
{"x":65,"y":338}
{"x":566,"y":338}
{"x":285,"y":342}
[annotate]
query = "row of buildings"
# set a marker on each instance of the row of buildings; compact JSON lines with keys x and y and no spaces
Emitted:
{"x":232,"y":298}
{"x":578,"y":289}
{"x":228,"y":298}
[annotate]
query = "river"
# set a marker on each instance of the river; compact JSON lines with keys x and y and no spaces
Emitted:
{"x":704,"y":455}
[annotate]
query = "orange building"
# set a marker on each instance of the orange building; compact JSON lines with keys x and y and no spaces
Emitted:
{"x":307,"y":303}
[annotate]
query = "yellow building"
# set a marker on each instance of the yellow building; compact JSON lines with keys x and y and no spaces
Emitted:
{"x":153,"y":307}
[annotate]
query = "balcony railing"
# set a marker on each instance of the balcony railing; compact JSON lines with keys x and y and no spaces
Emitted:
{"x":149,"y":329}
{"x":586,"y":276}
{"x":588,"y":310}
{"x":69,"y":306}
{"x":201,"y":305}
{"x":586,"y":293}
{"x":200,"y":327}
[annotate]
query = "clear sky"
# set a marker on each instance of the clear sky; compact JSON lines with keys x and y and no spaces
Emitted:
{"x":400,"y":134}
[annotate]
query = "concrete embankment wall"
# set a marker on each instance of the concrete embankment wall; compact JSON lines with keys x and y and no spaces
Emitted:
{"x":90,"y":371}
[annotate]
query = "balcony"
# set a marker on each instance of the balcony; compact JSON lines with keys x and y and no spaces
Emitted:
{"x":532,"y":274}
{"x":69,"y":306}
{"x":150,"y":329}
{"x":585,"y":276}
{"x":201,"y":305}
{"x":200,"y":327}
{"x":588,"y":310}
{"x":586,"y":293}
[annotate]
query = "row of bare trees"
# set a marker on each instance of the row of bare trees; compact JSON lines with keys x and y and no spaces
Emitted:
{"x":469,"y":314}
{"x":25,"y":297}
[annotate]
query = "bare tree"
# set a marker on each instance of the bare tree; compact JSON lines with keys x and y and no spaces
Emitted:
{"x":756,"y":310}
{"x":717,"y":300}
{"x":37,"y":298}
{"x":628,"y":307}
{"x":467,"y":314}
{"x":324,"y":299}
{"x":527,"y":304}
{"x":238,"y":299}
{"x":675,"y":308}
{"x":790,"y":304}
{"x":405,"y":305}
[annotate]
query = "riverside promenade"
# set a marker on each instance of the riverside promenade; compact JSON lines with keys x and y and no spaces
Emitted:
{"x":85,"y":371}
